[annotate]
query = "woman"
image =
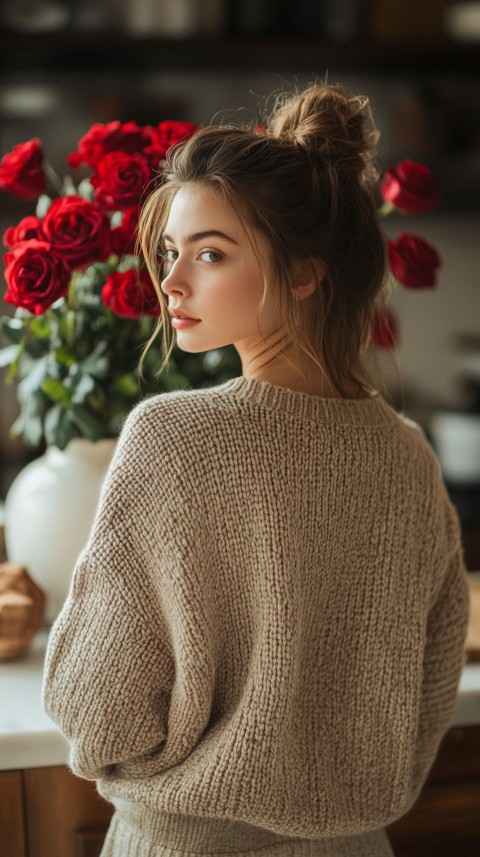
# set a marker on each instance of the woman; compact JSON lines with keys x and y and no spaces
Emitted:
{"x":264,"y":635}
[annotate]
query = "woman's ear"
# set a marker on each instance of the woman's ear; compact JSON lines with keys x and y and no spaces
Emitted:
{"x":309,"y":276}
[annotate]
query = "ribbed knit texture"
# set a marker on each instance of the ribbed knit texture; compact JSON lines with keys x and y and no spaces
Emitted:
{"x":136,"y":831}
{"x":267,"y":623}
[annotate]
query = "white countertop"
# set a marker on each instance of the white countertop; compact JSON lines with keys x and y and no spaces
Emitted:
{"x":29,"y":739}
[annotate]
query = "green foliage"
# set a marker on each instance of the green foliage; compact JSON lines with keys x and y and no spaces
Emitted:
{"x":77,"y":363}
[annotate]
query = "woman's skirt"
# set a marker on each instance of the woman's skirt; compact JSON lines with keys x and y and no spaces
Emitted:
{"x":136,"y":831}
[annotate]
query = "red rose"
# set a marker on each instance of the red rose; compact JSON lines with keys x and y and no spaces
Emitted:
{"x":385,"y":330}
{"x":131,"y":294}
{"x":123,"y":237}
{"x":112,"y":137}
{"x":413,"y":261}
{"x":120,"y":180}
{"x":166,"y":135}
{"x":36,"y":276}
{"x":21,"y":171}
{"x":410,"y":187}
{"x":29,"y":227}
{"x":78,"y":229}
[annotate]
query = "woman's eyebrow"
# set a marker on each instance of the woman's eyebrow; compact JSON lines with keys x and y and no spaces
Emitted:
{"x":199,"y":236}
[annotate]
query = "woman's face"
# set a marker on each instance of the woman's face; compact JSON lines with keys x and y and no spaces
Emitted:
{"x":213,"y":274}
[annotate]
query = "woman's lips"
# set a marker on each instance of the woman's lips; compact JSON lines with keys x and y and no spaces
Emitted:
{"x":180,"y":323}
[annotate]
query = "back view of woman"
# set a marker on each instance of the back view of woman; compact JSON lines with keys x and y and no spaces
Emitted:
{"x":264,"y":635}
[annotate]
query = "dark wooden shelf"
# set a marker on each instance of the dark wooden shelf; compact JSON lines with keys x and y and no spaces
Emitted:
{"x":81,"y":50}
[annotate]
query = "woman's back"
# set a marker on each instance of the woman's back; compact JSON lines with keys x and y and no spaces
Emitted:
{"x":300,"y":607}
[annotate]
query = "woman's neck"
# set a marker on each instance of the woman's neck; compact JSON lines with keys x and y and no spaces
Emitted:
{"x":300,"y":374}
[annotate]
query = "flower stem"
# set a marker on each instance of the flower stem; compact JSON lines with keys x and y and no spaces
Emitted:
{"x":52,"y":177}
{"x":70,"y":319}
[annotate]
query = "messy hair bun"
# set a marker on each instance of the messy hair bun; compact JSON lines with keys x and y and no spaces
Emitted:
{"x":329,"y":124}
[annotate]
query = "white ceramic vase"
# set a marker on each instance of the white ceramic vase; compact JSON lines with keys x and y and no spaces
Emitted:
{"x":49,"y":512}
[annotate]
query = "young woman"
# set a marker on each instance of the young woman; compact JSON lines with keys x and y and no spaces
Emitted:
{"x":264,"y":635}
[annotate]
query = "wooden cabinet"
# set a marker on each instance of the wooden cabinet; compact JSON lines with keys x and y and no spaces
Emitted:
{"x":12,"y":824}
{"x":47,"y":812}
{"x":445,"y":821}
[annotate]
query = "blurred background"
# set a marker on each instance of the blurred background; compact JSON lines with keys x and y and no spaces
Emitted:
{"x":69,"y":63}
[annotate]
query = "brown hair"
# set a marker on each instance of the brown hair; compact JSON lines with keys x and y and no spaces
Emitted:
{"x":307,"y":183}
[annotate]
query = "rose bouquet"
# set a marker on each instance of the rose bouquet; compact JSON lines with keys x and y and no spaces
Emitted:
{"x":85,"y":306}
{"x":414,"y":263}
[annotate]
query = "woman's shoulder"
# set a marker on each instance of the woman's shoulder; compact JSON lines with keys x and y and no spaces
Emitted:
{"x":417,"y":437}
{"x":161,"y":437}
{"x":425,"y":464}
{"x":421,"y":449}
{"x":174,"y":405}
{"x":168,"y":422}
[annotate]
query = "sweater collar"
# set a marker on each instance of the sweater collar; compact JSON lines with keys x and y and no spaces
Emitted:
{"x":369,"y":411}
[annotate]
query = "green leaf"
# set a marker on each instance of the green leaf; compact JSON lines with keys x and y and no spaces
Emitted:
{"x":85,"y":280}
{"x":8,"y":355}
{"x":13,"y":370}
{"x":127,"y":263}
{"x":95,"y":364}
{"x":97,"y":402}
{"x":65,"y":356}
{"x":40,"y":327}
{"x":126,"y":384}
{"x":29,"y":424}
{"x":386,"y":208}
{"x":83,"y":389}
{"x":56,"y":391}
{"x":43,"y":204}
{"x":37,"y":404}
{"x":36,"y":348}
{"x":116,"y":219}
{"x":85,"y":189}
{"x":100,"y":369}
{"x":69,"y":188}
{"x":31,"y":429}
{"x":95,"y":275}
{"x":74,"y":373}
{"x":23,"y":314}
{"x":59,"y":429}
{"x":33,"y":377}
{"x":17,"y":428}
{"x":112,"y":261}
{"x":56,"y":338}
{"x":12,"y":329}
{"x":89,"y":426}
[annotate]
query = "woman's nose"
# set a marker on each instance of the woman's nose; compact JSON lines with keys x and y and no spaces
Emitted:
{"x":174,"y":281}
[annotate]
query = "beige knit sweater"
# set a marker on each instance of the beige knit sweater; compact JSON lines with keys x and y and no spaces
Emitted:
{"x":267,"y":622}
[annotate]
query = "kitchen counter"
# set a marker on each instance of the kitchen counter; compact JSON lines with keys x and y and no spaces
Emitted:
{"x":29,"y":739}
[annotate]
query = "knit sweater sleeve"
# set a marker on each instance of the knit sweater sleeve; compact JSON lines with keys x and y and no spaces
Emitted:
{"x":109,"y":666}
{"x":444,"y":655}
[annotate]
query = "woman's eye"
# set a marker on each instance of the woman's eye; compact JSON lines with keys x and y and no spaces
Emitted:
{"x":210,"y":256}
{"x":168,"y":255}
